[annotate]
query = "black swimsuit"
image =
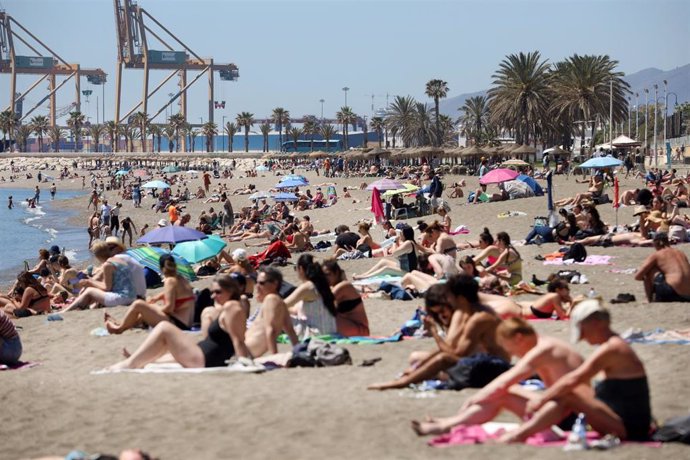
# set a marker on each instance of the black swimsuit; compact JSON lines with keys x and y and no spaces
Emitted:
{"x":346,"y":306}
{"x":217,"y":347}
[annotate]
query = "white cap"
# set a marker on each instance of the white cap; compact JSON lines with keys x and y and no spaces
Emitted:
{"x":581,"y":312}
{"x":162,"y":223}
{"x":239,"y":254}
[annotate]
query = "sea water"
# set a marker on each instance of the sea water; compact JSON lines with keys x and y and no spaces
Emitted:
{"x":24,"y":230}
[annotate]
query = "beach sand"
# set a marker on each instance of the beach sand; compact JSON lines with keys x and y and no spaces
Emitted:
{"x":302,"y":413}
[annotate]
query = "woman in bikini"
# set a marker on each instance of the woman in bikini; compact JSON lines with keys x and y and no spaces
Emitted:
{"x":403,"y":258}
{"x":446,"y":222}
{"x":177,"y":303}
{"x":509,"y":260}
{"x":30,"y":297}
{"x":489,"y":248}
{"x":351,"y":317}
{"x":557,"y":300}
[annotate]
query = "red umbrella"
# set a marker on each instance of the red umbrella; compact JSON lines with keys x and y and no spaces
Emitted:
{"x":497,"y":176}
{"x":377,"y":206}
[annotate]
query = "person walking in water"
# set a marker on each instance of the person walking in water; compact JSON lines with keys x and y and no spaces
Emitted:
{"x":10,"y":203}
{"x":53,"y":189}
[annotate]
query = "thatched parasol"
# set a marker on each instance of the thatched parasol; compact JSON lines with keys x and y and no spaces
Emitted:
{"x":473,"y":151}
{"x":377,"y":152}
{"x":524,"y":150}
{"x":318,"y":154}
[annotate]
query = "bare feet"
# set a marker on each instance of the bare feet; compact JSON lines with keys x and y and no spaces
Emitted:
{"x":427,"y":427}
{"x":384,"y":386}
{"x":112,"y":328}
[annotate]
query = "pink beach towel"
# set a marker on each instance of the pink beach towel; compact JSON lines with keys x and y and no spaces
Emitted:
{"x":590,"y":260}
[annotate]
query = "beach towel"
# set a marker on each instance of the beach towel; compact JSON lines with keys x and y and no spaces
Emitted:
{"x":480,"y":434}
{"x":374,"y":282}
{"x":460,"y":230}
{"x":590,"y":260}
{"x":175,"y":368}
{"x":503,"y":215}
{"x":274,"y":250}
{"x":658,"y":336}
{"x":18,"y":365}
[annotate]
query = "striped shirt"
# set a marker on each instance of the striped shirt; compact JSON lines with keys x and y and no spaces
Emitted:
{"x":7,"y":329}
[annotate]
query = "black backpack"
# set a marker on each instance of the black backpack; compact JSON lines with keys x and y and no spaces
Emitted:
{"x":577,"y":252}
{"x":676,"y":429}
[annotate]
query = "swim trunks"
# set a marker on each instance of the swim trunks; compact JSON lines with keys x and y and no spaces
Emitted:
{"x":475,"y":371}
{"x":629,"y":399}
{"x":663,"y":292}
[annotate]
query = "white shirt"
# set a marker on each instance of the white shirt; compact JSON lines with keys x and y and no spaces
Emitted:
{"x":136,"y":271}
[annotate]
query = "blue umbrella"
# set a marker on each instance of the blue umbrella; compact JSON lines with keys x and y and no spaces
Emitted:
{"x":171,"y":234}
{"x":290,"y":183}
{"x":296,"y":177}
{"x":601,"y":162}
{"x":533,"y":184}
{"x":285,"y":197}
{"x":200,"y":250}
{"x":155,"y":184}
{"x":121,"y":172}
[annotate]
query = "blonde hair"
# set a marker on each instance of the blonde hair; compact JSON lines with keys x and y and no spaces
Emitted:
{"x":101,"y":250}
{"x":510,"y":327}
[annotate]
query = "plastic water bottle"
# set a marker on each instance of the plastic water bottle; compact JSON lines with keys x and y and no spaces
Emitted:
{"x":577,"y":439}
{"x":592,"y":293}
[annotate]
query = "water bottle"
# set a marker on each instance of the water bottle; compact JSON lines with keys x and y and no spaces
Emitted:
{"x":577,"y":439}
{"x":592,"y":293}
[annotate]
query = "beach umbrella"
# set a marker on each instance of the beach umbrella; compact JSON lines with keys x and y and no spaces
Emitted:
{"x":200,"y":250}
{"x":294,"y":176}
{"x":533,"y":184}
{"x":407,"y":188}
{"x":515,"y":162}
{"x":149,"y":257}
{"x":140,"y":173}
{"x":385,"y":184}
{"x":192,"y":171}
{"x":601,"y":162}
{"x":259,"y":196}
{"x":171,"y":169}
{"x":377,"y":206}
{"x":290,"y":183}
{"x":121,"y":172}
{"x":155,"y":184}
{"x":524,"y":150}
{"x":473,"y":151}
{"x":625,"y":141}
{"x":497,"y":176}
{"x":262,"y":168}
{"x":285,"y":197}
{"x":171,"y":234}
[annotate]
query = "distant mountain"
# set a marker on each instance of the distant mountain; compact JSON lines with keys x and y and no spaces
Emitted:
{"x":678,"y":82}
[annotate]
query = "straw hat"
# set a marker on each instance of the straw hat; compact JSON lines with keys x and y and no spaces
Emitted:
{"x":639,"y":210}
{"x":115,"y":241}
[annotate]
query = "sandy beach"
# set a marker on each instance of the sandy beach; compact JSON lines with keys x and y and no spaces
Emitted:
{"x":302,"y":413}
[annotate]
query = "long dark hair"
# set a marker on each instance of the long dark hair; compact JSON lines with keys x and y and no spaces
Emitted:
{"x":332,"y":266}
{"x":314,"y":273}
{"x":486,"y":236}
{"x":504,"y":238}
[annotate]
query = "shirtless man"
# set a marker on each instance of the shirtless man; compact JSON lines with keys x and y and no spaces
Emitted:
{"x":470,"y":340}
{"x":620,"y":403}
{"x":547,"y":357}
{"x":665,"y":273}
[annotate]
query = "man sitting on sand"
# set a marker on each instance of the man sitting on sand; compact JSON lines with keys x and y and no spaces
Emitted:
{"x":469,"y":353}
{"x":665,"y":273}
{"x":620,"y":403}
{"x":547,"y":357}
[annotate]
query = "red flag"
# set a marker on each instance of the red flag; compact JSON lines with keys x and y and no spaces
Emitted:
{"x":616,"y":199}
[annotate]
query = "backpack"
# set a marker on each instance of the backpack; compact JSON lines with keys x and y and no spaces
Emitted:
{"x":676,"y":429}
{"x":576,"y":252}
{"x":318,"y":353}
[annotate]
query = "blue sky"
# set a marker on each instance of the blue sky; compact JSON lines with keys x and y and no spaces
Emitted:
{"x":293,"y":53}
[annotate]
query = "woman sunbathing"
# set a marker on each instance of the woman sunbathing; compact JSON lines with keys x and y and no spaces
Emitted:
{"x":557,"y":300}
{"x":405,"y":255}
{"x":29,"y":297}
{"x":351,"y":317}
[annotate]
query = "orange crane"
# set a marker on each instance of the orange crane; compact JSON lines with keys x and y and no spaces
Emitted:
{"x":136,"y":30}
{"x":47,"y":66}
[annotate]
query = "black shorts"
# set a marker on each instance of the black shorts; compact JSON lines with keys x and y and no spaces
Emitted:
{"x":663,"y":292}
{"x":475,"y":371}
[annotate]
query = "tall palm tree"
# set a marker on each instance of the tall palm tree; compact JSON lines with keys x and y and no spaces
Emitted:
{"x":112,"y":131}
{"x":327,"y":132}
{"x":475,"y":116}
{"x":281,"y":117}
{"x":437,"y":90}
{"x":54,"y":135}
{"x":346,"y":116}
{"x":422,"y":128}
{"x":245,"y":120}
{"x":8,"y":121}
{"x":156,"y":132}
{"x":124,"y":131}
{"x":295,"y":134}
{"x":310,"y":128}
{"x":192,"y":133}
{"x":377,"y":124}
{"x":39,"y":125}
{"x":22,"y":133}
{"x":520,"y":93}
{"x":265,"y":129}
{"x":75,"y":123}
{"x":178,"y":122}
{"x":401,"y":119}
{"x":133,"y":133}
{"x":230,"y":130}
{"x":366,"y":134}
{"x":96,"y":132}
{"x":209,"y":130}
{"x":170,"y":133}
{"x":448,"y":132}
{"x":141,"y":121}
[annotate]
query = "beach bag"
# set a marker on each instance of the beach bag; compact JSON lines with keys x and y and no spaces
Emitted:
{"x":541,"y":221}
{"x":576,"y":252}
{"x":301,"y":357}
{"x":676,"y":429}
{"x":203,"y":300}
{"x":327,"y":354}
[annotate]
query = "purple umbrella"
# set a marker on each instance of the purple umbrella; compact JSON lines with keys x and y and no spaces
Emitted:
{"x":385,"y":184}
{"x":172,"y":234}
{"x":498,"y":175}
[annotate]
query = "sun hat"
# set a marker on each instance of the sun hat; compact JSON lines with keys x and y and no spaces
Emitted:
{"x":239,"y":254}
{"x":640,"y":210}
{"x":162,"y":223}
{"x":116,"y":241}
{"x":581,"y":312}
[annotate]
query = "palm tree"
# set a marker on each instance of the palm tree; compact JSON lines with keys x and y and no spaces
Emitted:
{"x":422,"y":131}
{"x":310,"y":128}
{"x":265,"y":129}
{"x":295,"y":134}
{"x":346,"y":116}
{"x":475,"y":117}
{"x":327,"y":132}
{"x":54,"y":135}
{"x":156,"y":132}
{"x":178,"y":122}
{"x":141,"y":121}
{"x":519,"y":97}
{"x":280,"y":117}
{"x":366,"y":134}
{"x":21,"y":136}
{"x":170,"y":132}
{"x":230,"y":130}
{"x":245,"y":120}
{"x":8,"y":121}
{"x":96,"y":132}
{"x":209,"y":129}
{"x":400,"y":118}
{"x":39,"y":125}
{"x":377,"y":125}
{"x":112,"y":131}
{"x":124,"y":131}
{"x":447,"y":131}
{"x":75,"y":123}
{"x":437,"y":90}
{"x":133,"y":132}
{"x":192,"y":133}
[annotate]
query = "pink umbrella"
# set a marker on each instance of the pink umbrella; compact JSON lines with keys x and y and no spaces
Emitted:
{"x":140,"y":173}
{"x":377,"y":206}
{"x":497,"y":176}
{"x":385,"y":184}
